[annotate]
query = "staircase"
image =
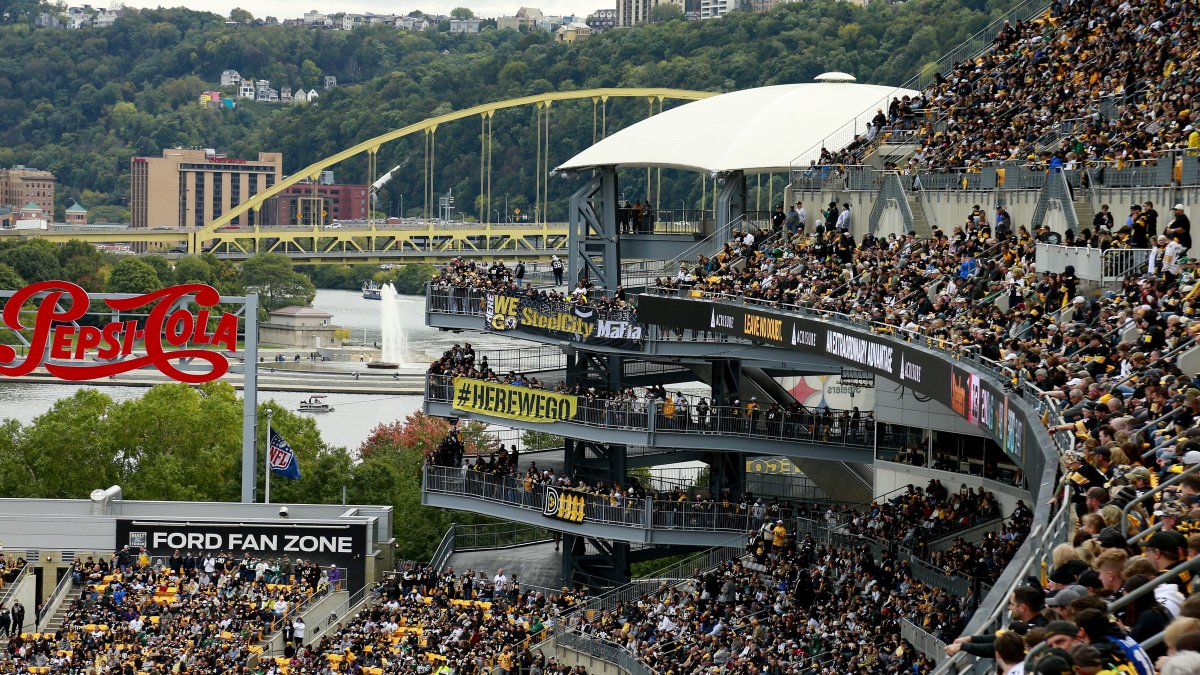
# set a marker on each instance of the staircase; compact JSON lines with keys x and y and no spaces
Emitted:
{"x":920,"y":219}
{"x":60,"y":613}
{"x":1085,"y":211}
{"x":842,"y":481}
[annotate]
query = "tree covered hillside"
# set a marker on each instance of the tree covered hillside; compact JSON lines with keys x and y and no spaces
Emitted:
{"x":82,"y":103}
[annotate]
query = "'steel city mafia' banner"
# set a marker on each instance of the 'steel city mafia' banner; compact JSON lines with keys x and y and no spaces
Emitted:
{"x":977,"y":400}
{"x":514,"y":403}
{"x":338,"y":545}
{"x":580,"y":323}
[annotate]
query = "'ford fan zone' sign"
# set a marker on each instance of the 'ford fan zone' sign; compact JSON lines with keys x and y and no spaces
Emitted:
{"x":49,"y":312}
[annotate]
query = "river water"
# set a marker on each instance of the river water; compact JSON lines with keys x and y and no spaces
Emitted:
{"x":354,"y":415}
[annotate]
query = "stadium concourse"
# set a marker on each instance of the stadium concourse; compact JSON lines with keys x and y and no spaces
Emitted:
{"x":1106,"y":365}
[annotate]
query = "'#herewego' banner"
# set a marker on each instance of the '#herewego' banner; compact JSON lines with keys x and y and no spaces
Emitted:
{"x":514,"y":403}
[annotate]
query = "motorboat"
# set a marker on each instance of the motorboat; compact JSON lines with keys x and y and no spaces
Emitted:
{"x":371,"y":290}
{"x":315,"y":404}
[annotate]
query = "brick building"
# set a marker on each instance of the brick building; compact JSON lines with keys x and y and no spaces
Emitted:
{"x":21,"y":185}
{"x":320,"y":204}
{"x":191,"y":188}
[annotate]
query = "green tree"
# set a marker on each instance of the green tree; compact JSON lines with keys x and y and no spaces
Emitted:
{"x":241,"y":16}
{"x":9,"y":279}
{"x":540,"y":440}
{"x":108,"y":213}
{"x":194,"y":270}
{"x":34,"y":260}
{"x":665,"y":13}
{"x":66,"y":453}
{"x":462,"y":13}
{"x":133,"y":275}
{"x":278,"y":285}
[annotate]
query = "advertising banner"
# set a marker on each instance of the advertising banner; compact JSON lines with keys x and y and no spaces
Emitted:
{"x":338,"y":545}
{"x":50,"y":311}
{"x":877,"y":354}
{"x":977,"y":400}
{"x":514,"y":403}
{"x":564,"y":505}
{"x":564,"y":320}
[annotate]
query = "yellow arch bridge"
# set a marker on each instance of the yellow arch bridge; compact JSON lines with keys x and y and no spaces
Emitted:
{"x":411,"y":240}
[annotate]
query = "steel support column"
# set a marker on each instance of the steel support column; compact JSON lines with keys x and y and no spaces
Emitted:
{"x":608,"y":566}
{"x":731,"y":202}
{"x":593,"y":241}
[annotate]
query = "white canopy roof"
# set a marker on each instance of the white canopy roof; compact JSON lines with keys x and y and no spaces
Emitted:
{"x":753,"y":130}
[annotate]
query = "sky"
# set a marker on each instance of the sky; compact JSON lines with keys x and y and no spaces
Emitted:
{"x":289,"y":9}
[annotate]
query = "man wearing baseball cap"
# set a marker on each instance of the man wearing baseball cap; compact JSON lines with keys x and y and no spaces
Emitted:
{"x":1165,"y":550}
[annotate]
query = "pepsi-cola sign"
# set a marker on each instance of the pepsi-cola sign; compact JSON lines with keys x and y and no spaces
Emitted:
{"x":75,"y":352}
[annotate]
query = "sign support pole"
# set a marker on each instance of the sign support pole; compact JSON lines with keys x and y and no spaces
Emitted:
{"x":267,"y":458}
{"x":250,"y":400}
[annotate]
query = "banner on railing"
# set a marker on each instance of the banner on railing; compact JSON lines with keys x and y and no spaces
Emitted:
{"x":576,"y":322}
{"x":881,"y":351}
{"x":563,"y":505}
{"x":511,"y":402}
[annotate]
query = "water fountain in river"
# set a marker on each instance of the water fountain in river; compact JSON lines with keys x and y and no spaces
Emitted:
{"x":395,"y":337}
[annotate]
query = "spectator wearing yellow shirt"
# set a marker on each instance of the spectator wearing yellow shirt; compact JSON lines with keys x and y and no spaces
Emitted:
{"x":505,"y":663}
{"x":778,"y":535}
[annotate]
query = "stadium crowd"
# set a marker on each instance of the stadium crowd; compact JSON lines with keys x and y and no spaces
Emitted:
{"x":797,"y":608}
{"x":188,"y":613}
{"x":1104,"y":361}
{"x":423,"y":621}
{"x":1100,"y":81}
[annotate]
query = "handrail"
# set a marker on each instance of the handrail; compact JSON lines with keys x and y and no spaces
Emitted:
{"x":299,"y":609}
{"x":5,"y":597}
{"x":1173,"y":412}
{"x":341,"y":612}
{"x":56,"y":597}
{"x":1149,"y":494}
{"x":1190,"y":565}
{"x":445,"y":548}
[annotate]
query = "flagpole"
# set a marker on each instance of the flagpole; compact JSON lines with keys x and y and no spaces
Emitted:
{"x":267,"y":497}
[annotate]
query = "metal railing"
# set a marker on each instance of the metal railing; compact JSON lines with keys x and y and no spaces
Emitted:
{"x":61,"y":589}
{"x":1092,"y":264}
{"x":641,"y":513}
{"x":343,"y":611}
{"x":600,"y":649}
{"x":664,"y":221}
{"x":11,"y":586}
{"x":654,"y":416}
{"x":497,"y":535}
{"x":922,"y":641}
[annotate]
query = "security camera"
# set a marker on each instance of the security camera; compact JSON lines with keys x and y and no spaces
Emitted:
{"x":283,"y":512}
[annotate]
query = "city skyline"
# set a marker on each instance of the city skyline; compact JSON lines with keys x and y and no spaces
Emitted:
{"x":282,"y":9}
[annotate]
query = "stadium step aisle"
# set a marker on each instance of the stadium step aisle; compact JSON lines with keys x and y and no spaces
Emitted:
{"x":56,"y":621}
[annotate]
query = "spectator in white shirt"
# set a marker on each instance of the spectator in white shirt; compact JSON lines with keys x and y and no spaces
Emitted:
{"x":843,"y":221}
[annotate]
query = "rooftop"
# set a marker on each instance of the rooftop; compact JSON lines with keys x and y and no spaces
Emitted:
{"x":753,"y":130}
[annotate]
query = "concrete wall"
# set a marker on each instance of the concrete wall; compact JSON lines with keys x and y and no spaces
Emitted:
{"x":312,"y":618}
{"x":946,"y":209}
{"x":895,"y":404}
{"x":572,"y":658}
{"x":890,"y":476}
{"x":26,"y":593}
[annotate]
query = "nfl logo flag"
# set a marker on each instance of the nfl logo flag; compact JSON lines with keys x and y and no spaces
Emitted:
{"x":282,"y":459}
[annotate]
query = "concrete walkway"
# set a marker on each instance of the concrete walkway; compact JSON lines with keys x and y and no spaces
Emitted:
{"x":535,"y":564}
